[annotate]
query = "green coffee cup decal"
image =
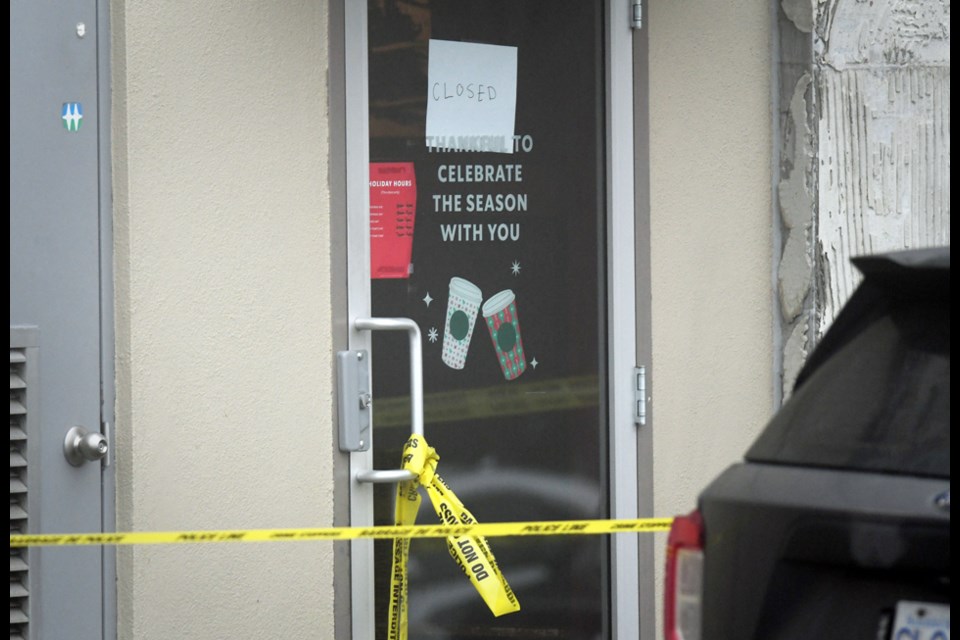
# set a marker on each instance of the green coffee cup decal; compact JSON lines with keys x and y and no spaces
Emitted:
{"x":463,"y":303}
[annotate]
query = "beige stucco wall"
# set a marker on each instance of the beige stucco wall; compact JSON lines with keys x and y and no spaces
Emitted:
{"x":710,"y":159}
{"x":220,"y":152}
{"x":222,"y":292}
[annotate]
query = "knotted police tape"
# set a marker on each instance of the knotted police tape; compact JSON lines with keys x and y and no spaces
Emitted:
{"x":471,"y":553}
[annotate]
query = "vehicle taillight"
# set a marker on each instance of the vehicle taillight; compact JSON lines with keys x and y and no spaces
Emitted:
{"x":684,"y":579}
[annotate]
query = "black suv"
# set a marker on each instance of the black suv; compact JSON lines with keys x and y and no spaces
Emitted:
{"x":837,"y":523}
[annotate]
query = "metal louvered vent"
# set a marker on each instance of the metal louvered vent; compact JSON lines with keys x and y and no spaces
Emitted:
{"x":22,"y":421}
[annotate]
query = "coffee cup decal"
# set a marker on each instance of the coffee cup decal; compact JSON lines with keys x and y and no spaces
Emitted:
{"x":463,"y":303}
{"x":500,"y":314}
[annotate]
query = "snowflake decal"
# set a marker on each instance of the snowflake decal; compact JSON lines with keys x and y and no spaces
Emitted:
{"x":515,"y":267}
{"x":432,"y":335}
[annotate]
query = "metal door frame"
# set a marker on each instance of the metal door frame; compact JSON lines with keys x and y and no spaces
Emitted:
{"x":354,"y":607}
{"x":108,"y":500}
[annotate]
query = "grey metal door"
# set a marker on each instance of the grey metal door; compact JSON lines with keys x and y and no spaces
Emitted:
{"x":55,"y":312}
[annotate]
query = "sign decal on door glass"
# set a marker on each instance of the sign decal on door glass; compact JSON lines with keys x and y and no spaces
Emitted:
{"x":393,"y":207}
{"x":499,"y":314}
{"x":464,"y":189}
{"x":481,"y":203}
{"x":473,"y":202}
{"x":471,"y":96}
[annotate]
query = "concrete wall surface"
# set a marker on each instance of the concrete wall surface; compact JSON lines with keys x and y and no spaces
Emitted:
{"x":883,"y":95}
{"x":865,"y":156}
{"x":711,"y":243}
{"x":224,"y":384}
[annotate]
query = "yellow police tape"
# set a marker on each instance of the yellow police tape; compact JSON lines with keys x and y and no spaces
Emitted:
{"x":471,"y":552}
{"x":381,"y":532}
{"x":466,"y":541}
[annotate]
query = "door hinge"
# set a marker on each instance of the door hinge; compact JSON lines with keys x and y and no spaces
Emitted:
{"x":636,"y":14}
{"x":640,"y":395}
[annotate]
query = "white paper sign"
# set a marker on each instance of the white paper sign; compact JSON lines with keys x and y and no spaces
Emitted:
{"x":471,"y":96}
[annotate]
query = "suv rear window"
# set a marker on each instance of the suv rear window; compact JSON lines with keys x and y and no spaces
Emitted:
{"x":877,"y":396}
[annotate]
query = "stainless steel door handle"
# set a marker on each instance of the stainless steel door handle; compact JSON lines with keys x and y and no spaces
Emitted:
{"x":416,"y":388}
{"x":81,"y":446}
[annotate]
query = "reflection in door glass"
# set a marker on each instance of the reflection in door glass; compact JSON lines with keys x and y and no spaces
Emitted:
{"x":487,"y":212}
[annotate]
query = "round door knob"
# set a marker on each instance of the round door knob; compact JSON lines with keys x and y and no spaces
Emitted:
{"x":81,"y":446}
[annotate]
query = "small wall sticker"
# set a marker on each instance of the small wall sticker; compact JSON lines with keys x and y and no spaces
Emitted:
{"x":72,"y":115}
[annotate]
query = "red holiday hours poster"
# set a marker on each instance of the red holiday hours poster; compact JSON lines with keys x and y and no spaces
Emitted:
{"x":393,"y":205}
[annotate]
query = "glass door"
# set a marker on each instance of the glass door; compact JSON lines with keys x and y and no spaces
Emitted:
{"x":489,"y":222}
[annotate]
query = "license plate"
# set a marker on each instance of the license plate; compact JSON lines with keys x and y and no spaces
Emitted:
{"x":921,"y":621}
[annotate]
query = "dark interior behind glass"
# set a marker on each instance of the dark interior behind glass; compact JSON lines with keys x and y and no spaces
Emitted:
{"x":534,"y":447}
